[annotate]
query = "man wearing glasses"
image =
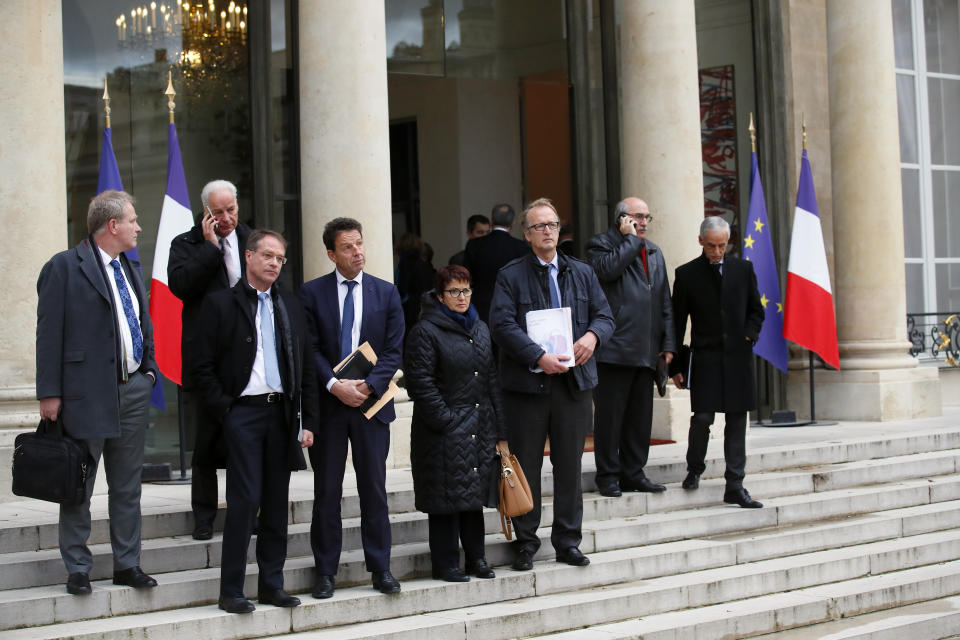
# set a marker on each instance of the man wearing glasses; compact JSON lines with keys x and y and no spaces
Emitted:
{"x":633,"y":275}
{"x":544,"y":396}
{"x":255,"y":371}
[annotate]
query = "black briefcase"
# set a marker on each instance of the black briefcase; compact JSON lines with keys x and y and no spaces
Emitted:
{"x":50,"y":465}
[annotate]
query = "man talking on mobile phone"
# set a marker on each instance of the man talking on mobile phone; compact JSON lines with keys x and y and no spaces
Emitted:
{"x":204,"y":260}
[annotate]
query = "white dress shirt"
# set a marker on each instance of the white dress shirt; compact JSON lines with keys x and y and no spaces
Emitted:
{"x":357,"y":312}
{"x":231,"y":257}
{"x":125,"y":338}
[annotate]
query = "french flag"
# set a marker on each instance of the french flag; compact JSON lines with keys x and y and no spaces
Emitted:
{"x":808,"y":317}
{"x":165,"y":308}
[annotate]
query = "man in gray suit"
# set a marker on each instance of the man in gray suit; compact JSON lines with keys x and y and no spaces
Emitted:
{"x":95,"y":369}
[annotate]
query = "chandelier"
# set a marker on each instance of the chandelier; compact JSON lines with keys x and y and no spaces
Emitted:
{"x":211,"y":37}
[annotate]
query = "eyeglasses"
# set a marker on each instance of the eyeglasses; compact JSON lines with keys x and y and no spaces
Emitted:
{"x":551,"y":226}
{"x":457,"y":293}
{"x":639,"y":217}
{"x":270,"y":257}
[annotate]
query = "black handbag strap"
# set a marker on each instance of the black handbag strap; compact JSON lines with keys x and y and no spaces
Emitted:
{"x":51,"y":427}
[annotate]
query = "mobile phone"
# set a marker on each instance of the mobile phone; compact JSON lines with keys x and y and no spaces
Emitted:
{"x":208,"y":212}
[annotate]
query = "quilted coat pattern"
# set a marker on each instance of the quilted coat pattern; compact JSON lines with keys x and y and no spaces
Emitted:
{"x":457,"y":411}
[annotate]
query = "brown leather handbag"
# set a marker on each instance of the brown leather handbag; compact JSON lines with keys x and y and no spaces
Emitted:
{"x":515,"y":496}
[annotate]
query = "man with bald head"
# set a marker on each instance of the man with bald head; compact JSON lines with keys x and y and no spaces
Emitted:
{"x":204,"y":260}
{"x":633,"y":275}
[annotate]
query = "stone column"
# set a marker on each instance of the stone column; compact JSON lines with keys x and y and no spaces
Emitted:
{"x":877,"y":380}
{"x":344,"y":129}
{"x":662,"y":159}
{"x":33,"y":190}
{"x":661,"y":155}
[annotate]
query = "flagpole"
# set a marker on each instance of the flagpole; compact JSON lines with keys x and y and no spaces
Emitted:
{"x":106,"y":103}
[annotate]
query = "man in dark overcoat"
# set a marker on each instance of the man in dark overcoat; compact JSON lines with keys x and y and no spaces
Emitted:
{"x":633,"y":275}
{"x":484,"y":256}
{"x":719,"y":294}
{"x":95,"y":369}
{"x":255,"y":371}
{"x":206,"y":259}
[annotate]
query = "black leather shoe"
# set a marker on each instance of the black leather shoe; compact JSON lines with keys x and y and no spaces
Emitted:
{"x":692,"y":481}
{"x":278,"y":598}
{"x":609,"y":490}
{"x":236,"y":605}
{"x":643,"y":485}
{"x":480,"y":568}
{"x":451,"y":574}
{"x":573,"y":556}
{"x":134,"y":577}
{"x":78,"y":584}
{"x":741,"y":497}
{"x":384,"y":582}
{"x":324,"y":587}
{"x":203,"y":531}
{"x":523,"y":561}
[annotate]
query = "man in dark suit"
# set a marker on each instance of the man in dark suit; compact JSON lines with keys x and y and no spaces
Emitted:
{"x":345,"y":309}
{"x":96,"y":368}
{"x":633,"y":275}
{"x":484,"y":256}
{"x":206,"y":259}
{"x":254,"y":369}
{"x":477,"y":226}
{"x":554,"y":400}
{"x":719,"y":295}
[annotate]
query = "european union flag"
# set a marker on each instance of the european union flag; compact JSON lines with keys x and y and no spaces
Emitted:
{"x":758,"y":249}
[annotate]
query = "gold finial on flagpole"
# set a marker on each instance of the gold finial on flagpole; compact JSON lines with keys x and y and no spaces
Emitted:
{"x":170,"y":93}
{"x":753,"y":135}
{"x":803,"y":128}
{"x":106,"y":102}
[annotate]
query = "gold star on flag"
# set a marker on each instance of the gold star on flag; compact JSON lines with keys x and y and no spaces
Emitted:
{"x":779,"y":308}
{"x":748,"y":242}
{"x":764,"y":300}
{"x":758,"y":225}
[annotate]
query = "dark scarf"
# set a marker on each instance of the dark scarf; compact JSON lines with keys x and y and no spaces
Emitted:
{"x":465,"y":320}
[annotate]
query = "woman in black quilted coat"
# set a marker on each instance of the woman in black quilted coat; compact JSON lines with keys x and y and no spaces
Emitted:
{"x":457,"y":423}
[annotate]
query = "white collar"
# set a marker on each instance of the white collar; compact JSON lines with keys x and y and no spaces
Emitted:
{"x":341,"y":278}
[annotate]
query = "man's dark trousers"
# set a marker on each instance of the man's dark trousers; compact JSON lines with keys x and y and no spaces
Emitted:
{"x":623,"y":406}
{"x":563,"y":414}
{"x":734,"y":449}
{"x":370,"y":442}
{"x":257,"y":439}
{"x":203,"y":490}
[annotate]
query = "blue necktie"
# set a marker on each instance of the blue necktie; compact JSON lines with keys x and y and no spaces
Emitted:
{"x":346,"y":321}
{"x":554,"y":293}
{"x":132,"y":320}
{"x":269,"y":343}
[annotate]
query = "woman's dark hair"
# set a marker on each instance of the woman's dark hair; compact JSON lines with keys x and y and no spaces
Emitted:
{"x":446,"y":275}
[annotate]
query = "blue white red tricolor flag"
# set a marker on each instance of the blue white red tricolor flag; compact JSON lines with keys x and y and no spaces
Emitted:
{"x":809,"y":319}
{"x":165,"y":308}
{"x":109,"y":178}
{"x":758,"y":249}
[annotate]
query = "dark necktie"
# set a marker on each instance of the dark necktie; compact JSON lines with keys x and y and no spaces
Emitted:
{"x":268,"y":340}
{"x":554,"y":292}
{"x":716,"y":266}
{"x":346,"y":321}
{"x":643,"y":259}
{"x":132,"y":320}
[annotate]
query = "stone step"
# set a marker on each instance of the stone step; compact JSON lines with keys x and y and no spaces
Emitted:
{"x":166,"y":520}
{"x":664,"y":609}
{"x":930,"y":620}
{"x":654,"y":539}
{"x":665,"y":512}
{"x":788,"y":616}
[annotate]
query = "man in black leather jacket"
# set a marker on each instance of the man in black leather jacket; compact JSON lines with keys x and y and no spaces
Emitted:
{"x":633,"y":275}
{"x":554,"y":400}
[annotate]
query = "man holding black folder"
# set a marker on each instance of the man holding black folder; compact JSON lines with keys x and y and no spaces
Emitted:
{"x":346,"y":309}
{"x":545,"y":395}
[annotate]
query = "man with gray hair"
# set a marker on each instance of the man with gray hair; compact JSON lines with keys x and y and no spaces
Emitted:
{"x":719,"y":294}
{"x":633,"y":276}
{"x":206,"y":259}
{"x":95,"y":370}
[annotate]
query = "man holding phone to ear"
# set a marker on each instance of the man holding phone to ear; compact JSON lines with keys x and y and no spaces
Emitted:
{"x":204,"y":260}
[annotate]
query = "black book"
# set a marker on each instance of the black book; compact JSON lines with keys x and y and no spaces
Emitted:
{"x":355,"y":367}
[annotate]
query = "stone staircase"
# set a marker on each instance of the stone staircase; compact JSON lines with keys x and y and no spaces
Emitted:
{"x":859,"y":537}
